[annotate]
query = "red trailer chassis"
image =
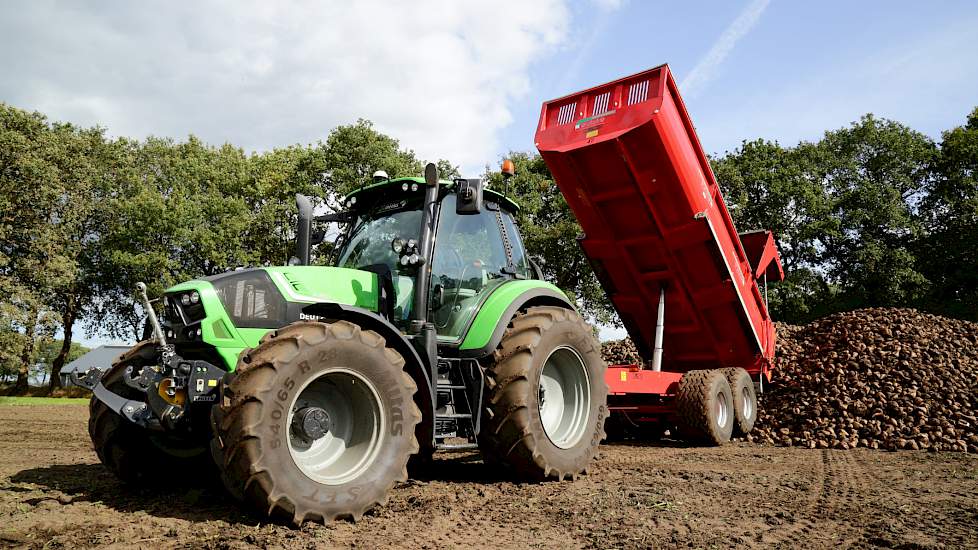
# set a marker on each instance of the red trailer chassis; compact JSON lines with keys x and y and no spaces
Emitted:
{"x":688,"y":288}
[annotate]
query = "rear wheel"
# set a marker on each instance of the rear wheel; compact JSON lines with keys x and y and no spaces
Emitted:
{"x":317,"y":424}
{"x":546,"y":400}
{"x":134,"y":454}
{"x":704,"y":405}
{"x":744,"y":400}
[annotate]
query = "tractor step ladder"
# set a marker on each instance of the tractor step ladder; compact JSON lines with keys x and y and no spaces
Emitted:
{"x":452,"y":377}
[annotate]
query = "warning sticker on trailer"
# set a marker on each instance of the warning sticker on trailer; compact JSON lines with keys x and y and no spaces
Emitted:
{"x":592,"y":121}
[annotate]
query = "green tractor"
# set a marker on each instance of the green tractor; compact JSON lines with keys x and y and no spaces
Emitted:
{"x":311,"y":388}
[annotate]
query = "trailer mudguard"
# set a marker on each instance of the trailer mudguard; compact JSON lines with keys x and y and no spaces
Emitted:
{"x":487,"y":328}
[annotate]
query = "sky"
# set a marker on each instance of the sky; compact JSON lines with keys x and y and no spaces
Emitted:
{"x":464,"y":80}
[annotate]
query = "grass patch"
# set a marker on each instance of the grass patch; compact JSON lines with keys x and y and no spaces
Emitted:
{"x":42,"y":401}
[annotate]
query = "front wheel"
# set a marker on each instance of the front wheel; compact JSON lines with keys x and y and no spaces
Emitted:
{"x":547,"y":397}
{"x":317,"y":424}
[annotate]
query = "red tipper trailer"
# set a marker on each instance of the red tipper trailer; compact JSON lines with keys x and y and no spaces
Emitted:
{"x":626,"y":157}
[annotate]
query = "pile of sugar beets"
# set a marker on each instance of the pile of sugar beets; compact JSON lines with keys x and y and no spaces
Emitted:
{"x":879,"y":378}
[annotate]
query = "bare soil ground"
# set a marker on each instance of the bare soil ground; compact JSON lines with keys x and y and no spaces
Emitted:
{"x":54,"y":494}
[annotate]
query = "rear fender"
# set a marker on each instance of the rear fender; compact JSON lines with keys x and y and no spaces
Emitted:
{"x":503,"y":304}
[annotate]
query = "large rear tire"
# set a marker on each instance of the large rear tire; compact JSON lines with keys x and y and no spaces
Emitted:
{"x":136,"y":455}
{"x":546,"y":396}
{"x":744,"y":400}
{"x":317,"y":423}
{"x":705,"y":407}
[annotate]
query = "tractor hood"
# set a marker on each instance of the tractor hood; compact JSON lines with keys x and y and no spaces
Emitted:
{"x":232,"y":311}
{"x":262,"y":288}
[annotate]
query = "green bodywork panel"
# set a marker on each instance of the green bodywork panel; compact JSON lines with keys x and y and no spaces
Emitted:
{"x":216,"y":327}
{"x":492,"y":311}
{"x":304,"y":284}
{"x":315,"y":284}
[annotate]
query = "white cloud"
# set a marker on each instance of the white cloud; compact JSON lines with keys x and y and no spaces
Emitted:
{"x":437,"y":74}
{"x":706,"y":67}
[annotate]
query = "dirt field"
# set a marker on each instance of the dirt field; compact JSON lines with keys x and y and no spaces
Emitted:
{"x":54,"y":494}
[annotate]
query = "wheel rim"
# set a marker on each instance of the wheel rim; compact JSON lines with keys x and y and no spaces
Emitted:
{"x":353,"y":429}
{"x":722,"y":409}
{"x":747,"y":402}
{"x":565,"y":397}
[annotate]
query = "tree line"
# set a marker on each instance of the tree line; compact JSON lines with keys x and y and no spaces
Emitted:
{"x":873,"y":214}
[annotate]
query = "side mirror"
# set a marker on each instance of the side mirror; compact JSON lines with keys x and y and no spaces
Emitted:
{"x":316,"y":237}
{"x":469,"y":199}
{"x":431,"y":175}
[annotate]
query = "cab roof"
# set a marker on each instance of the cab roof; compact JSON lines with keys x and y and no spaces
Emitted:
{"x":394,"y":185}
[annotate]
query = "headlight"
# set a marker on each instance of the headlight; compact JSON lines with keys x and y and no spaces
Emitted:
{"x":185,"y":299}
{"x":404,"y":186}
{"x":195,"y":297}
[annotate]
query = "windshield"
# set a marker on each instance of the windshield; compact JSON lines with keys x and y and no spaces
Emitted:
{"x":369,"y":241}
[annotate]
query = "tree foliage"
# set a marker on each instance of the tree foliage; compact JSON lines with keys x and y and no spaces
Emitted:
{"x":871,"y":214}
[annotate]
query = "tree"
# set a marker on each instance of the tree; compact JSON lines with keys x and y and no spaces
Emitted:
{"x":950,"y":215}
{"x":844,"y":211}
{"x":50,"y":352}
{"x":353,"y":152}
{"x":767,"y":186}
{"x":52,"y":176}
{"x":876,"y":173}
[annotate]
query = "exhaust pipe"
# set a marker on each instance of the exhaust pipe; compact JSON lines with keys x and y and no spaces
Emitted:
{"x":303,"y":231}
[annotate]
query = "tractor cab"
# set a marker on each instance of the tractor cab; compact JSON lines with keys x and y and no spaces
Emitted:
{"x":476,"y":246}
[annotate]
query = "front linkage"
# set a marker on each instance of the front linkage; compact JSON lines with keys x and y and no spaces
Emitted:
{"x":168,"y":385}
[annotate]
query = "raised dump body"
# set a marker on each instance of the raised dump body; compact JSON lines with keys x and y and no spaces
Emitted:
{"x":626,"y":157}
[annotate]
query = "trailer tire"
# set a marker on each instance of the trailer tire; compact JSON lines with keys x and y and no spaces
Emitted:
{"x":135,"y":455}
{"x":744,"y":400}
{"x":545,"y":350}
{"x":363,"y":431}
{"x":704,"y":405}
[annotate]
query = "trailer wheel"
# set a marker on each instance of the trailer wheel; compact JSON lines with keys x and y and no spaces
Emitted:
{"x":136,"y":455}
{"x":744,"y":400}
{"x":546,"y":399}
{"x":317,"y":423}
{"x":704,"y":405}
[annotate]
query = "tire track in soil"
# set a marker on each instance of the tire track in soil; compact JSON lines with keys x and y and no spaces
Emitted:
{"x":848,"y":507}
{"x":891,"y":493}
{"x":840,"y":498}
{"x":798,"y":532}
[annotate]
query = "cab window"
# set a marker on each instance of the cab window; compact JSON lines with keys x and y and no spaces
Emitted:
{"x":469,"y":262}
